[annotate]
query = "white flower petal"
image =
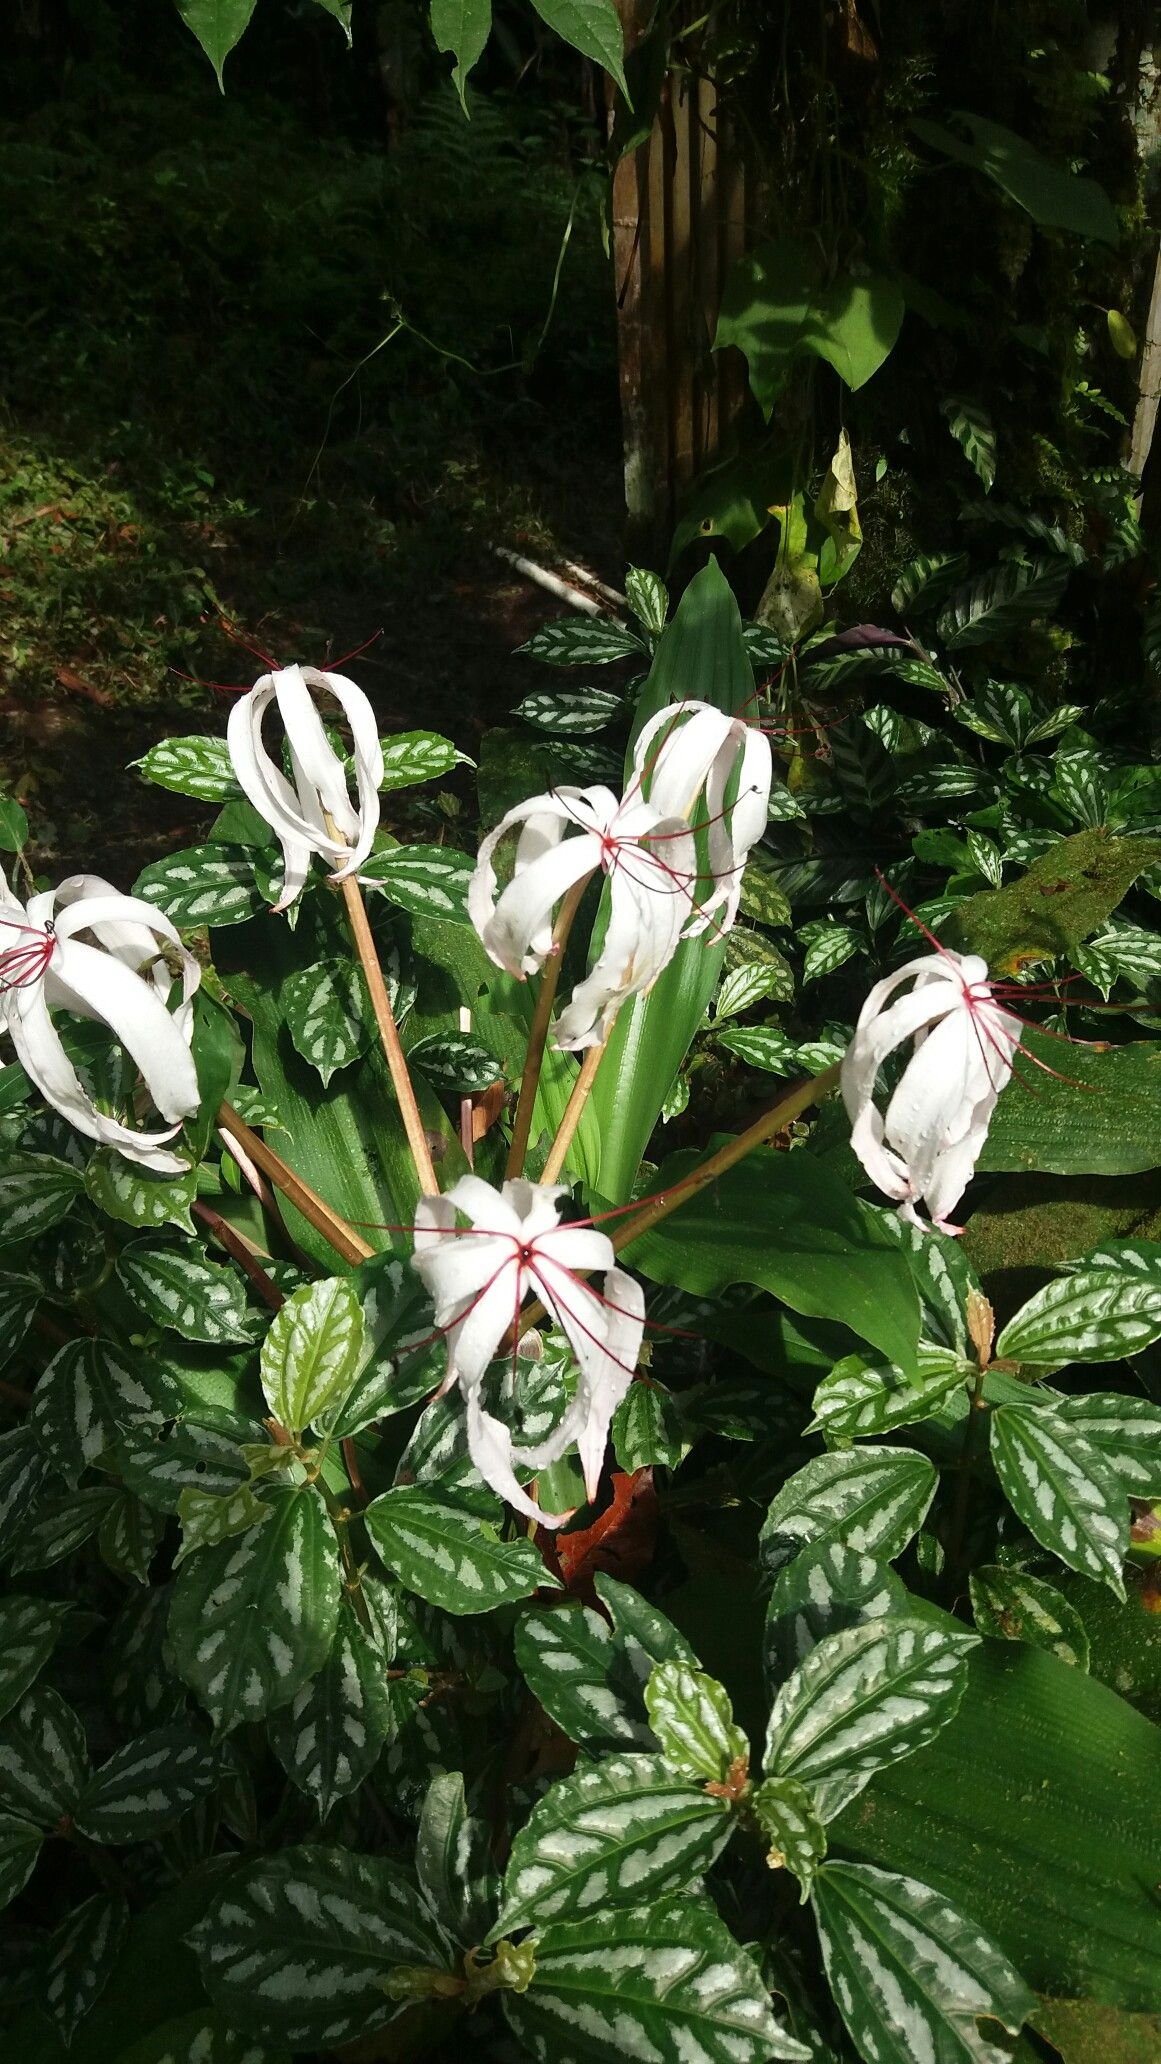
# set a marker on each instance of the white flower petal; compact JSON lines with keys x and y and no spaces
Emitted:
{"x":45,"y":1062}
{"x":297,"y":813}
{"x":649,"y":903}
{"x":490,"y":1447}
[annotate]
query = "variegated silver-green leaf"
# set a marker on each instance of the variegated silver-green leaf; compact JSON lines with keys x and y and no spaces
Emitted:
{"x":1063,"y":1489}
{"x":146,"y":1785}
{"x":59,"y":1526}
{"x":646,"y":1431}
{"x":80,"y":1958}
{"x":663,"y":1984}
{"x":128,"y":1537}
{"x":36,"y":1192}
{"x":297,"y":1945}
{"x":1126,"y":1431}
{"x":828,"y":947}
{"x":193,"y":766}
{"x":450,"y":1556}
{"x":159,"y":1462}
{"x":204,"y":885}
{"x":453,"y":1859}
{"x":870,"y":1499}
{"x":19,"y":1297}
{"x":624,"y":1831}
{"x":456,"y":1062}
{"x":1096,"y":1315}
{"x":785,"y":1812}
{"x":691,"y":1715}
{"x":590,"y":1677}
{"x":762,"y":1046}
{"x":865,"y":1697}
{"x":1012,"y":1606}
{"x":328,"y":1015}
{"x":208,"y":1517}
{"x":143,"y":1689}
{"x":20,"y":1844}
{"x":648,"y":598}
{"x":582,"y":641}
{"x":87,"y":1395}
{"x":743,"y":987}
{"x":330,"y":1736}
{"x":311,"y":1355}
{"x":131,"y":1195}
{"x":911,"y":1977}
{"x":856,"y":1401}
{"x":826,"y":1588}
{"x":178,"y":1289}
{"x":413,"y":756}
{"x":430,"y":881}
{"x":570,"y":713}
{"x":253,"y":1618}
{"x":29,"y":1628}
{"x":198,"y":2038}
{"x":44,"y":1761}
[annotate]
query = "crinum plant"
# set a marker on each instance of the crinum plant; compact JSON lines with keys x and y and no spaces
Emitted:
{"x":394,"y":1458}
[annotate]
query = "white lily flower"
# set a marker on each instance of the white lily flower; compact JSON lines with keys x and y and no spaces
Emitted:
{"x":690,"y":753}
{"x":299,"y":812}
{"x":925,"y":1146}
{"x":84,"y":948}
{"x":651,"y":863}
{"x":478,"y":1278}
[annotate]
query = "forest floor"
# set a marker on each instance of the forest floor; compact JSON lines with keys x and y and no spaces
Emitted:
{"x":194,"y":431}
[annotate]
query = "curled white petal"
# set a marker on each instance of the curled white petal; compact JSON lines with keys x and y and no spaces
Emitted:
{"x":478,"y":1277}
{"x":924,"y":1147}
{"x":124,"y":981}
{"x":297,"y":812}
{"x":688,"y":761}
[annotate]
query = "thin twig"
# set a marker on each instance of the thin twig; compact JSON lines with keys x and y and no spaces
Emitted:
{"x":413,"y":1124}
{"x":538,"y":1033}
{"x":334,"y":1229}
{"x":229,"y":1238}
{"x":759,"y":1134}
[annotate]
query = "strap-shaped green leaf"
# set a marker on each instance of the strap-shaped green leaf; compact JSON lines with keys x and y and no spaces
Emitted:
{"x":666,"y":1982}
{"x":296,"y":1946}
{"x":253,"y":1618}
{"x":146,"y":1785}
{"x":911,"y":1976}
{"x":451,"y":1556}
{"x":691,"y":1715}
{"x":1062,"y":1488}
{"x":329,"y":1737}
{"x":611,"y":1836}
{"x":864,"y":1697}
{"x":311,"y":1355}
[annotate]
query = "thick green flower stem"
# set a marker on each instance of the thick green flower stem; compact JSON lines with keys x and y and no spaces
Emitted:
{"x":538,"y":1032}
{"x":396,"y":1060}
{"x":342,"y":1237}
{"x":582,"y":1090}
{"x":781,"y":1114}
